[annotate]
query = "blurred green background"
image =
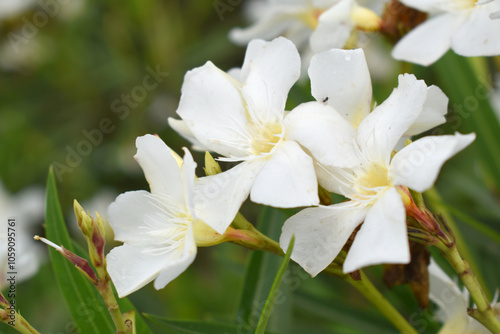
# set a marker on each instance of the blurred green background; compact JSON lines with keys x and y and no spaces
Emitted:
{"x":74,"y":96}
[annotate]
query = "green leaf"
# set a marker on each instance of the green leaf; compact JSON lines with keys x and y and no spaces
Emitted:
{"x":266,"y":312}
{"x":84,"y":301}
{"x":469,"y":92}
{"x":259,"y":278}
{"x":197,"y":327}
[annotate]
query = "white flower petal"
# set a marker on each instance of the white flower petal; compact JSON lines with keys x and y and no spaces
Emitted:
{"x":327,"y":135}
{"x":219,"y":197}
{"x":287,"y":179}
{"x":320,"y":234}
{"x":418,"y":164}
{"x":188,"y":176}
{"x":433,"y":112}
{"x":382,"y":237}
{"x":431,"y":6}
{"x":379,"y":132}
{"x":181,"y":128}
{"x":212,"y":107}
{"x":274,"y":22}
{"x":446,"y":294}
{"x":132,"y":211}
{"x":179,"y":261}
{"x":159,"y":166}
{"x":334,"y":27}
{"x":427,"y":42}
{"x":131,"y":269}
{"x":336,"y":180}
{"x":269,"y":71}
{"x":479,"y":35}
{"x":342,"y":80}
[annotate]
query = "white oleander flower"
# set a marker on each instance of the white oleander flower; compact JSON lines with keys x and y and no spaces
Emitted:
{"x":160,"y":230}
{"x":367,"y":173}
{"x":242,"y":117}
{"x":27,"y":208}
{"x":10,"y":8}
{"x":466,"y":26}
{"x":320,"y":24}
{"x":453,"y":303}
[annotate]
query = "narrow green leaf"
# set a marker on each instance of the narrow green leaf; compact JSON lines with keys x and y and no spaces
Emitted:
{"x":84,"y":301}
{"x":474,"y":223}
{"x":85,"y":304}
{"x":259,"y":278}
{"x":197,"y":327}
{"x":266,"y":312}
{"x":469,"y":92}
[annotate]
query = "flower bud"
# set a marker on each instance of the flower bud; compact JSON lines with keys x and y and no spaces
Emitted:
{"x":365,"y":19}
{"x":84,"y":221}
{"x":212,"y":167}
{"x":80,"y":263}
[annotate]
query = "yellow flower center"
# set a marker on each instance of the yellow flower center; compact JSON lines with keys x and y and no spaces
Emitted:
{"x":265,"y":137}
{"x":372,"y":181}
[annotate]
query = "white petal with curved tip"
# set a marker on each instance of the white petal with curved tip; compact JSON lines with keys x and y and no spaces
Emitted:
{"x":479,"y":35}
{"x":320,"y":234}
{"x":341,"y":79}
{"x":287,"y":180}
{"x":219,"y":197}
{"x":334,"y":27}
{"x":182,"y":129}
{"x":134,"y":213}
{"x":433,"y":112}
{"x":382,"y":237}
{"x":418,"y":164}
{"x":327,"y":136}
{"x":131,"y":269}
{"x":212,"y":107}
{"x":159,"y":166}
{"x":380,"y":131}
{"x":428,"y":41}
{"x":269,"y":71}
{"x":179,"y":261}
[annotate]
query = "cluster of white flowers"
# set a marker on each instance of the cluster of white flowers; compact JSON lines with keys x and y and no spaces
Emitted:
{"x":469,"y":27}
{"x":334,"y":140}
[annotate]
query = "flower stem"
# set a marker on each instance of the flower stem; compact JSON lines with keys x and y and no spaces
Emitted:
{"x":437,"y":205}
{"x":367,"y":289}
{"x":104,"y":288}
{"x":20,"y":324}
{"x":483,"y":312}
